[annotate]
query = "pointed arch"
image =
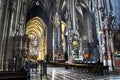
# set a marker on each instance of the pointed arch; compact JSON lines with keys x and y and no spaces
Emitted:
{"x":36,"y":31}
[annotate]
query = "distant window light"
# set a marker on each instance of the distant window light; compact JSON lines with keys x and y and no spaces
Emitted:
{"x":37,"y":3}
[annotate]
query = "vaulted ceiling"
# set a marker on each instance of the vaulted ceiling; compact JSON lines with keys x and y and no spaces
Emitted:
{"x":44,"y":8}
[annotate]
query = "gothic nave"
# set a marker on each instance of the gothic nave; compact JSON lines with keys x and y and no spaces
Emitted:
{"x":60,"y":39}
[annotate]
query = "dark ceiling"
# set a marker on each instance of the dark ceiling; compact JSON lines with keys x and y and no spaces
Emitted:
{"x":45,"y":8}
{"x":37,"y":10}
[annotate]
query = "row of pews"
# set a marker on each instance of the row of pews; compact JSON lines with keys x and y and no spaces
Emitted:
{"x":13,"y":75}
{"x":93,"y":68}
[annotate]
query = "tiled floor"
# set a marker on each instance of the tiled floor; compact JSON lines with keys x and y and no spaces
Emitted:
{"x":60,"y":73}
{"x":65,"y":74}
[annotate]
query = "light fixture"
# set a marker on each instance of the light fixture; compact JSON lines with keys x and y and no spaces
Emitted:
{"x":100,"y":32}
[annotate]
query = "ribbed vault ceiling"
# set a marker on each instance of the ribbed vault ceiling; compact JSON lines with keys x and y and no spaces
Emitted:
{"x":36,"y":30}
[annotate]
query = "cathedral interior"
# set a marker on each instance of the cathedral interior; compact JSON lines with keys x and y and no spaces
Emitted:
{"x":60,"y":39}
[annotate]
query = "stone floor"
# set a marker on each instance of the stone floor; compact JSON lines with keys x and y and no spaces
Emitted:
{"x":64,"y":74}
{"x":60,"y":73}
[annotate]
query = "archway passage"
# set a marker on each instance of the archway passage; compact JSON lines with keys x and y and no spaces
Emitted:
{"x":36,"y":31}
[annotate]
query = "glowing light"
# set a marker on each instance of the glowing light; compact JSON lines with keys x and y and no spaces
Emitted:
{"x":75,"y":43}
{"x":36,"y":29}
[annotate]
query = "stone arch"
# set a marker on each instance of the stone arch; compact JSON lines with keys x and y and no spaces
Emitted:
{"x":36,"y":31}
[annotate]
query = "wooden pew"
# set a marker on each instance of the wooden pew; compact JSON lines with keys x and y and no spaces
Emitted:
{"x":13,"y":75}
